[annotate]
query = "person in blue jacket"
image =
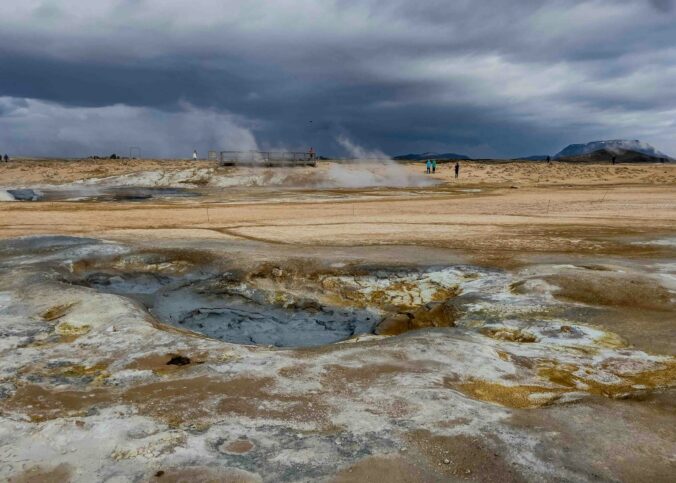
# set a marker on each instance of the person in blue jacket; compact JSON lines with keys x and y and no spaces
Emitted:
{"x":429,"y":166}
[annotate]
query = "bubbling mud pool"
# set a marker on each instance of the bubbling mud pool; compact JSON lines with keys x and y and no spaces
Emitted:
{"x":277,"y":306}
{"x":225,"y":308}
{"x":295,"y":303}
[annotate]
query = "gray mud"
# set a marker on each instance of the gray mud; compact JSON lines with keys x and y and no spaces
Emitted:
{"x":101,"y":194}
{"x":199,"y":302}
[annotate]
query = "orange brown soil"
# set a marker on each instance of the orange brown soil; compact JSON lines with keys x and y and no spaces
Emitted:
{"x":42,"y":474}
{"x":575,"y":215}
{"x":491,"y":173}
{"x":58,"y":171}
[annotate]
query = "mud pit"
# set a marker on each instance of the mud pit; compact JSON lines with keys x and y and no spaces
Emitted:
{"x":226,"y":309}
{"x":294,"y":304}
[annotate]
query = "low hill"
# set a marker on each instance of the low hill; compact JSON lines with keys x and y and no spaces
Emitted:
{"x":424,"y":156}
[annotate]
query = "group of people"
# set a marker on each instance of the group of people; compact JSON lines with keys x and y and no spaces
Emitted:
{"x":432,"y":167}
{"x":6,"y":158}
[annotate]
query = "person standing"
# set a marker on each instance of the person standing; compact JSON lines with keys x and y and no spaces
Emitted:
{"x":613,"y":159}
{"x":434,"y":166}
{"x":549,"y":159}
{"x":429,"y":166}
{"x":194,"y":155}
{"x":6,"y":158}
{"x":457,"y":169}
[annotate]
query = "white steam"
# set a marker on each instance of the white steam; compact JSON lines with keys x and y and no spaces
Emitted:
{"x":371,"y":168}
{"x":359,"y":153}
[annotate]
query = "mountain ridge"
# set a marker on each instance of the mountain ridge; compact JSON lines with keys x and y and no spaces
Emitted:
{"x":429,"y":155}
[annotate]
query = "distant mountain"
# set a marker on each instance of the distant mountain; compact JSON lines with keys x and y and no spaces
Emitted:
{"x":621,"y":156}
{"x":615,"y":145}
{"x":424,"y":156}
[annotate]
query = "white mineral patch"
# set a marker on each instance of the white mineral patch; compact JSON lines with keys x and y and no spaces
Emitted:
{"x":667,"y":242}
{"x":128,"y":376}
{"x":6,"y":196}
{"x":5,"y":299}
{"x":150,"y":179}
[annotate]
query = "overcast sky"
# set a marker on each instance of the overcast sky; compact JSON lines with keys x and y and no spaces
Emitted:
{"x":479,"y":77}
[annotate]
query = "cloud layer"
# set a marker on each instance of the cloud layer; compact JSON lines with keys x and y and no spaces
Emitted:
{"x":489,"y":78}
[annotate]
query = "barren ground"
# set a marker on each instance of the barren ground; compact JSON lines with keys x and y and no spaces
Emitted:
{"x":515,"y":324}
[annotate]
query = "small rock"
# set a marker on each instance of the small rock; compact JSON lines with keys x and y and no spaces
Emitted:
{"x":277,"y":272}
{"x":447,"y":461}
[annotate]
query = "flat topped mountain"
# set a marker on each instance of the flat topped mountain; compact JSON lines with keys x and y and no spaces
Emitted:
{"x":423,"y":156}
{"x":616,"y":145}
{"x":621,"y":156}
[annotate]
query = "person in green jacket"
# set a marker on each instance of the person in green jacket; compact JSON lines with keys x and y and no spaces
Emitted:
{"x":434,"y":166}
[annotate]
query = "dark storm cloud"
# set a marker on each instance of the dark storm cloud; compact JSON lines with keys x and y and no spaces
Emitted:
{"x":663,"y":5}
{"x":489,"y":78}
